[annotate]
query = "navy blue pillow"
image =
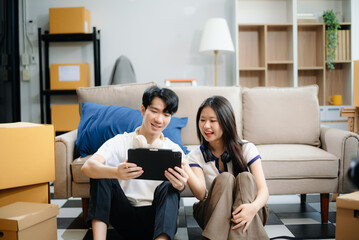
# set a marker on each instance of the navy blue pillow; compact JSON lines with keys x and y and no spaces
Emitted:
{"x":99,"y":123}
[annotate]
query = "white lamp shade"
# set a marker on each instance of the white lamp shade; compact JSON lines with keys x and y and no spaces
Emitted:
{"x":216,"y":36}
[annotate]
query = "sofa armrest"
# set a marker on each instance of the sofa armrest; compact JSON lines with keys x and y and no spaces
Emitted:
{"x":344,"y":145}
{"x":64,"y":155}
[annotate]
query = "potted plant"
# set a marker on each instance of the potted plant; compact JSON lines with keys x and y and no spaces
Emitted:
{"x":332,"y":26}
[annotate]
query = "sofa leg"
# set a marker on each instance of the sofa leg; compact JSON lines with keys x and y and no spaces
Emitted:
{"x":303,"y":198}
{"x":85,"y":207}
{"x":324,"y":206}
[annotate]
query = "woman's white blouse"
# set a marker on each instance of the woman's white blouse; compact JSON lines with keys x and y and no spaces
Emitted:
{"x":211,"y":170}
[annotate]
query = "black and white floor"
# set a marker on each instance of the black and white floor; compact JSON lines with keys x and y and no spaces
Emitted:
{"x":288,"y":217}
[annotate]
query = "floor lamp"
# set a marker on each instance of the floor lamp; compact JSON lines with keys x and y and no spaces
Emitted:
{"x":216,"y":39}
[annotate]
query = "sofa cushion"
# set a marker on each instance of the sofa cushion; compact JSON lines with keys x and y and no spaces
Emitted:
{"x":297,"y":161}
{"x":127,"y":95}
{"x":99,"y":123}
{"x":190,"y":98}
{"x":76,"y":166}
{"x":281,"y":115}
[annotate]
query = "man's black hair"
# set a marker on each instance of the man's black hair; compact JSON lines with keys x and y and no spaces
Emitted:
{"x":167,"y":95}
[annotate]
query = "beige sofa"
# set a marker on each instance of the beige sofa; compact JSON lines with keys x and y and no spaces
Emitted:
{"x":299,"y":156}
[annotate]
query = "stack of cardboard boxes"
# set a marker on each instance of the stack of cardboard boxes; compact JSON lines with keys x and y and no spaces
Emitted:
{"x":27,"y":164}
{"x":68,"y":76}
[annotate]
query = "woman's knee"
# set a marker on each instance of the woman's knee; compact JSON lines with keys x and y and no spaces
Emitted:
{"x":245,"y":176}
{"x":246,"y":179}
{"x":225,"y":179}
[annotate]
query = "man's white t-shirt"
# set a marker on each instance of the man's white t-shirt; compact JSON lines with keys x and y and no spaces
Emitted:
{"x":139,"y":192}
{"x":211,"y":169}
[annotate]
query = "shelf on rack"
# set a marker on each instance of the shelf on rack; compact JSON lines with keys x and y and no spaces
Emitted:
{"x":252,"y":69}
{"x":280,"y":62}
{"x":77,"y":37}
{"x":341,"y":61}
{"x":310,"y":24}
{"x":311,"y":68}
{"x":59,"y":92}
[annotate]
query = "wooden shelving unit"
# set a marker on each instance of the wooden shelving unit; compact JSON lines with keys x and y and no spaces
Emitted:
{"x":274,"y":49}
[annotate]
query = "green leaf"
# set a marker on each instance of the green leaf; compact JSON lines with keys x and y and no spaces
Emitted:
{"x":332,"y":26}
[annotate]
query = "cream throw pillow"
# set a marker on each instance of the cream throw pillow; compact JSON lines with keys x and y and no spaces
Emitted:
{"x":281,"y":115}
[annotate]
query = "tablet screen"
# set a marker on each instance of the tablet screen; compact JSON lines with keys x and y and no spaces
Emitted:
{"x":154,"y":162}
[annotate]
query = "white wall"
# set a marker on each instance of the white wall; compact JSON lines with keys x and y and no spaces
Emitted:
{"x":160,"y":37}
{"x":355,"y":36}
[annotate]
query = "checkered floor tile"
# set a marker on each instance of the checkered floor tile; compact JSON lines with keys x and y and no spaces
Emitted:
{"x":288,"y":217}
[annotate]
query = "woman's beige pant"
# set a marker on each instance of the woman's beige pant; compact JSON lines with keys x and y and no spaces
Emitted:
{"x":226,"y":193}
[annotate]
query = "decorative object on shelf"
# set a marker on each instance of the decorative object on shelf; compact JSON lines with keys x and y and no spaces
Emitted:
{"x":330,"y":19}
{"x":192,"y":81}
{"x":306,"y":18}
{"x":335,"y":100}
{"x":216,"y":39}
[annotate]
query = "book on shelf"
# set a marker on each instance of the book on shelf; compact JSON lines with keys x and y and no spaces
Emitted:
{"x":339,"y":46}
{"x":342,"y":45}
{"x":342,"y":50}
{"x":337,"y":49}
{"x":347,"y":38}
{"x":306,"y":18}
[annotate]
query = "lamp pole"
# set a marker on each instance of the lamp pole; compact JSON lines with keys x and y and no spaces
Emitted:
{"x":216,"y":39}
{"x":216,"y":63}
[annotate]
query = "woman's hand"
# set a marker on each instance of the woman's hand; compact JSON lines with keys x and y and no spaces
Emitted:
{"x":178,"y":177}
{"x":126,"y":171}
{"x":243,"y":215}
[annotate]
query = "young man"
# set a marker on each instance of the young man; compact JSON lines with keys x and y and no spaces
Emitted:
{"x":137,"y":209}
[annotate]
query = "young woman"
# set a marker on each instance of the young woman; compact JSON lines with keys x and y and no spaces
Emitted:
{"x":234,"y":207}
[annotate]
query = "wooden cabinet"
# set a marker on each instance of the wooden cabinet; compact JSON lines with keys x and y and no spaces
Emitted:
{"x":276,"y":49}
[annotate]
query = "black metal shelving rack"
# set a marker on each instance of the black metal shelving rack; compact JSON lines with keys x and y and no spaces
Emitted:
{"x":45,"y":92}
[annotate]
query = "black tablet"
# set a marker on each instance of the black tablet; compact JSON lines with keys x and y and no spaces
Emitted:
{"x":154,"y":162}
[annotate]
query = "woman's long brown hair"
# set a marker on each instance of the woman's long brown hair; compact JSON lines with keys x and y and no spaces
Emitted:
{"x":233,"y":144}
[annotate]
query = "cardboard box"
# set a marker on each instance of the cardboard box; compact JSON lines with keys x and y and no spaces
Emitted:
{"x":27,"y":153}
{"x":69,"y":20}
{"x":28,"y":221}
{"x":347,"y":222}
{"x":69,"y":76}
{"x":65,"y":117}
{"x":38,"y":193}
